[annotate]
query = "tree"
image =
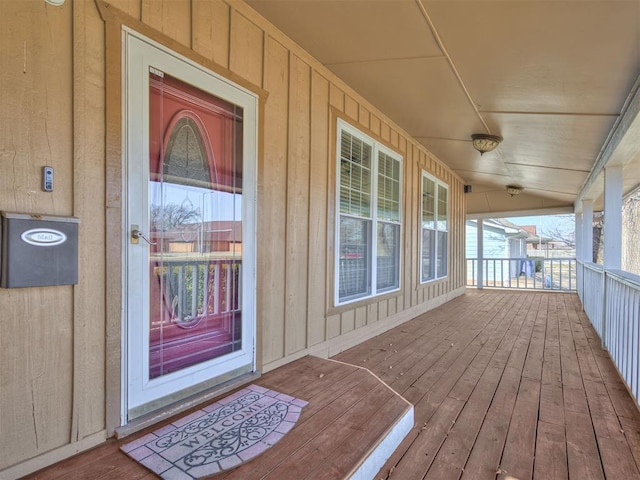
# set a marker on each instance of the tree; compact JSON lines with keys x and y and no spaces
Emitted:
{"x":563,"y":229}
{"x":631,"y":234}
{"x":630,"y":247}
{"x":172,"y":215}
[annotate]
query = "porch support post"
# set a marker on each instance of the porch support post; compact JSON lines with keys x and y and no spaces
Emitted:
{"x":612,"y":234}
{"x":613,"y":218}
{"x":480,"y":254}
{"x":578,"y":216}
{"x":578,"y":247}
{"x":587,"y":231}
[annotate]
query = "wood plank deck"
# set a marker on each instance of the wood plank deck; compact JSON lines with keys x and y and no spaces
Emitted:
{"x":330,"y":440}
{"x":506,"y":385}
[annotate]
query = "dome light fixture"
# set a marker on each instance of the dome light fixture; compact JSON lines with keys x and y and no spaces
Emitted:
{"x":514,"y":190}
{"x":485,"y":142}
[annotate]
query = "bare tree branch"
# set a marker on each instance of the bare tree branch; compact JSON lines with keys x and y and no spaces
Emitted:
{"x":171,"y":215}
{"x":563,"y":230}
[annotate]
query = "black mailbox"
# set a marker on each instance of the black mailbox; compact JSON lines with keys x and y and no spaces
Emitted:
{"x":38,"y":250}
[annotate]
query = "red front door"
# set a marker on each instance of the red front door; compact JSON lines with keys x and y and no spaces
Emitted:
{"x":195,"y":190}
{"x":190,"y":164}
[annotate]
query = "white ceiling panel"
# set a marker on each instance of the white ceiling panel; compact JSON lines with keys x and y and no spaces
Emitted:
{"x":421,"y":95}
{"x":501,"y":201}
{"x":551,"y":77}
{"x":537,"y":56}
{"x":560,"y":141}
{"x":549,"y":179}
{"x":383,"y":29}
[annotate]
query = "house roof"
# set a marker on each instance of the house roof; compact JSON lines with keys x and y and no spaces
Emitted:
{"x":510,"y":229}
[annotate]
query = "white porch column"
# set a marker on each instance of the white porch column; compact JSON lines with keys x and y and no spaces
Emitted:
{"x":578,"y":216}
{"x":587,"y":231}
{"x":480,"y":253}
{"x":613,"y":218}
{"x":578,"y":247}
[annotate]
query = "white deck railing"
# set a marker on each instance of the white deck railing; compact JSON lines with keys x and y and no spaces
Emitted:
{"x":591,"y":293}
{"x":611,"y":300}
{"x":524,"y":273}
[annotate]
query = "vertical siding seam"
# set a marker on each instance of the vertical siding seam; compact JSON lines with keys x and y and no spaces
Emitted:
{"x":78,"y":56}
{"x":230,"y":35}
{"x":286,"y":196}
{"x":308,"y":316}
{"x":265,"y":37}
{"x":264,"y":58}
{"x":330,"y":284}
{"x":191,"y":24}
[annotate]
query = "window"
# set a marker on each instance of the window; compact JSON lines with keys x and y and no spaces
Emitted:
{"x":368,"y":227}
{"x":434,"y":229}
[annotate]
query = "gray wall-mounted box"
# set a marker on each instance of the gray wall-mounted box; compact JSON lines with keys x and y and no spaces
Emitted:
{"x":38,"y":250}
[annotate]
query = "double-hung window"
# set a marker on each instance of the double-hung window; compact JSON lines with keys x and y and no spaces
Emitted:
{"x":368,"y":217}
{"x":434,"y":229}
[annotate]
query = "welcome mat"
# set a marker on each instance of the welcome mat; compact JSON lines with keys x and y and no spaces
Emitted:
{"x":218,"y":437}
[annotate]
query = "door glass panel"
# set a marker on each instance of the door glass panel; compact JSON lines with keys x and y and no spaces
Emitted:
{"x":195,"y":218}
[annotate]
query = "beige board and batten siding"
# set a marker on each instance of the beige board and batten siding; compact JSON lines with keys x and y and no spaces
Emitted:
{"x":52,"y":338}
{"x":58,"y":105}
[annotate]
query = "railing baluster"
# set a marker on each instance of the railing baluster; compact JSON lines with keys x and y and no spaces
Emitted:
{"x":473,"y":273}
{"x":563,"y":274}
{"x":216,"y":288}
{"x":230,"y":287}
{"x":180,"y":290}
{"x":205,"y":290}
{"x":195,"y":280}
{"x":636,"y":344}
{"x":494,"y":272}
{"x":560,"y":274}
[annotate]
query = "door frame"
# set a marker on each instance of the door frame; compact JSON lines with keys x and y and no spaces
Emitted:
{"x":250,"y":170}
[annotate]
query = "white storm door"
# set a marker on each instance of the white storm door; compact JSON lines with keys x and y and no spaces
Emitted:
{"x":190,"y":157}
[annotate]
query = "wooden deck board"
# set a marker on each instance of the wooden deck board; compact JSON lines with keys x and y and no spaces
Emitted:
{"x":583,"y":458}
{"x":551,"y":452}
{"x":519,"y":451}
{"x":505,"y":384}
{"x":484,"y":460}
{"x":326,"y":443}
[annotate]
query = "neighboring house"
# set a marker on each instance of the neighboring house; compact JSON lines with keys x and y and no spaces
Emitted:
{"x":502,"y":240}
{"x":543,"y":246}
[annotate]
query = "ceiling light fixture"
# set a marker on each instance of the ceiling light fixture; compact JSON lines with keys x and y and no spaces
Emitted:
{"x":514,"y":190}
{"x":484,"y":142}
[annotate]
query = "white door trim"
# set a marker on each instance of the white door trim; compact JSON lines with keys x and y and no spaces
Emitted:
{"x":138,"y":54}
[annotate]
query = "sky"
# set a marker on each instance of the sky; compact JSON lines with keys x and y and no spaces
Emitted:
{"x":545,"y":222}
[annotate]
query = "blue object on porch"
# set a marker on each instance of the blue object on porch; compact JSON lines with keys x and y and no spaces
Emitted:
{"x":527,"y":268}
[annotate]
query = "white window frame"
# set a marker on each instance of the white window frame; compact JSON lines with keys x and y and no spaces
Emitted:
{"x":435,"y":230}
{"x":376,"y":148}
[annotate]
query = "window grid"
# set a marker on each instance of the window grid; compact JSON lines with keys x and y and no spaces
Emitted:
{"x":355,"y":170}
{"x":435,"y":222}
{"x":388,"y":188}
{"x":369,"y":215}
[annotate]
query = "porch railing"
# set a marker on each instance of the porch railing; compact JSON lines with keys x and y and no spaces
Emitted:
{"x":591,"y":293}
{"x":193,"y":288}
{"x":611,"y":300}
{"x":524,"y":273}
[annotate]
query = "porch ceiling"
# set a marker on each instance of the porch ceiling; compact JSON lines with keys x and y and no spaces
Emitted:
{"x":550,"y":77}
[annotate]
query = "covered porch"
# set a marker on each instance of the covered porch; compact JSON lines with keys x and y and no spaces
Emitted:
{"x":361,"y":166}
{"x":505,"y":384}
